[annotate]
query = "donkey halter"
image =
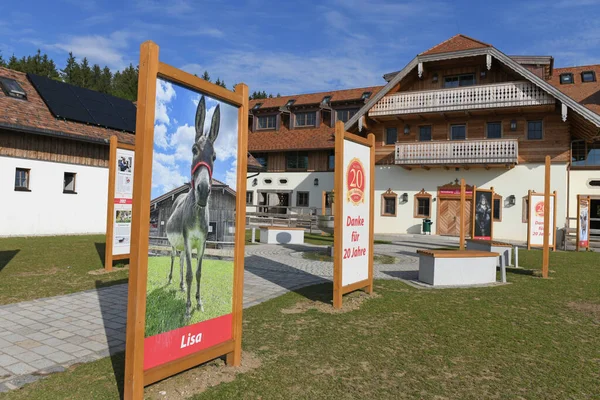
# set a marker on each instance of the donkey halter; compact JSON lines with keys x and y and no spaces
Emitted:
{"x":202,"y":164}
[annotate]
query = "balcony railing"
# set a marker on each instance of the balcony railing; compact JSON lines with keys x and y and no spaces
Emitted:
{"x":509,"y":94}
{"x":489,"y":151}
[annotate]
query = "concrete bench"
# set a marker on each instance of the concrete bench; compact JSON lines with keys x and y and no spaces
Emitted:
{"x":504,"y":249}
{"x":281,"y":235}
{"x":457,"y":268}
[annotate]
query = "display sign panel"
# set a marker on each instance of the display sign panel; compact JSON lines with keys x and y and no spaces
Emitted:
{"x":583,"y":225}
{"x":483,"y":214}
{"x":537,"y":209}
{"x":123,"y":201}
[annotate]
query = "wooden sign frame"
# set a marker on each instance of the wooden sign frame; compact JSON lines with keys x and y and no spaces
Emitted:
{"x":581,"y":198}
{"x":338,"y":206}
{"x":553,"y":198}
{"x":150,"y":68}
{"x":109,"y":257}
{"x":473,"y":211}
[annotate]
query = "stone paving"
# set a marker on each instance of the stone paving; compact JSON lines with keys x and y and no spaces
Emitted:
{"x":44,"y":336}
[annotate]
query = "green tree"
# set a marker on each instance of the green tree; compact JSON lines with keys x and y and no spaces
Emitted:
{"x":125,"y":83}
{"x":13,"y":63}
{"x":68,"y":72}
{"x":221,"y":83}
{"x":86,"y":79}
{"x":104,"y":85}
{"x":95,"y":77}
{"x":2,"y":62}
{"x":206,"y":76}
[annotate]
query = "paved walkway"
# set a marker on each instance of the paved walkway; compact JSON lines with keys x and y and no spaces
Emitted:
{"x":43,"y":336}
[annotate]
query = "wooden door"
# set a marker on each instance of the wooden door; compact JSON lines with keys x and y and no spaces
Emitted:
{"x":449,"y":217}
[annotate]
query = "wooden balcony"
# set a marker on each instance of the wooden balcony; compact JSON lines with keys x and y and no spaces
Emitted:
{"x":463,"y":152}
{"x":508,"y":94}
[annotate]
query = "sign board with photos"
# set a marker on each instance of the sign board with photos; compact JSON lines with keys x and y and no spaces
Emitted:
{"x":119,"y":203}
{"x":535,"y":221}
{"x":583,"y":222}
{"x":184,"y":304}
{"x":483,"y":214}
{"x":353,"y":222}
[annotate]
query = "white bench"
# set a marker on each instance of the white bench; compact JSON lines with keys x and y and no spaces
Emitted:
{"x":456,"y":267}
{"x":281,"y":235}
{"x":503,"y":249}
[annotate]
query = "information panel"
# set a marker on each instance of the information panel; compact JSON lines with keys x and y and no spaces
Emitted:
{"x":583,"y":223}
{"x":536,"y":220}
{"x":123,"y":201}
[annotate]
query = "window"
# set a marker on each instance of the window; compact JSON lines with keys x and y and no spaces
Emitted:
{"x":289,"y":103}
{"x":494,"y":130}
{"x":459,"y":80}
{"x":257,"y":106}
{"x":345,"y":115}
{"x":249,"y":197}
{"x":302,"y":199}
{"x":283,"y":181}
{"x":22,"y":180}
{"x":331,"y":161}
{"x":391,"y":135}
{"x":566,"y":78}
{"x":585,"y":154}
{"x":267,"y":122}
{"x":11,"y":88}
{"x":422,"y":204}
{"x":534,"y":130}
{"x":458,"y":132}
{"x":594,"y":182}
{"x":306,"y":118}
{"x":424,"y":133}
{"x":296,"y":160}
{"x":588,"y":76}
{"x":365,"y":95}
{"x":497,"y":208}
{"x":261,"y":158}
{"x":326,"y":101}
{"x":389,"y":200}
{"x":69,"y":182}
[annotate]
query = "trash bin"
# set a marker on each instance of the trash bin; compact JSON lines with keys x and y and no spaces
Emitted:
{"x":427,"y":226}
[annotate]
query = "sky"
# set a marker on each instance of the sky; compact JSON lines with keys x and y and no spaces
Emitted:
{"x":293,"y":47}
{"x":174,"y":133}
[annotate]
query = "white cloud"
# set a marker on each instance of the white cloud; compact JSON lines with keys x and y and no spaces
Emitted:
{"x":231,"y":175}
{"x":226,"y":143}
{"x":165,"y":177}
{"x":160,"y":135}
{"x":104,"y":50}
{"x":164,"y":94}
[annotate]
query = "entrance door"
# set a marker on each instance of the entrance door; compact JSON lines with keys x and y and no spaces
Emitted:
{"x":449,"y":217}
{"x":595,"y":217}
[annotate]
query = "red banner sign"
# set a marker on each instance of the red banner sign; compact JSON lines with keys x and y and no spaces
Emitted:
{"x":123,"y":201}
{"x":454,"y":191}
{"x":162,"y":348}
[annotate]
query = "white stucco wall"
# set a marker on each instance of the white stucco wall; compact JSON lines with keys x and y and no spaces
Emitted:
{"x":516,"y":181}
{"x":579,"y":184}
{"x":46,"y":210}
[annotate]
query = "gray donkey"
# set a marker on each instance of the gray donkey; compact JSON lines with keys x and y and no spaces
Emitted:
{"x":187,"y":226}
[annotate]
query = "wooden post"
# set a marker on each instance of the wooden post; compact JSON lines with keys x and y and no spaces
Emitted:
{"x":142,"y":184}
{"x":110,"y":205}
{"x":546,"y":255}
{"x":338,"y":224}
{"x":462,"y":213}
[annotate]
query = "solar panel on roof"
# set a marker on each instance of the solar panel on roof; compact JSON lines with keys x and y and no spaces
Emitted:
{"x":84,"y":105}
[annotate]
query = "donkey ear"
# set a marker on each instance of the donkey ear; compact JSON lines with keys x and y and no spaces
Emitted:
{"x":200,"y":115}
{"x":214,"y":125}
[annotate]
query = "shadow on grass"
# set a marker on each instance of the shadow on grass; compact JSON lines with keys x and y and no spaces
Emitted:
{"x":113,"y":307}
{"x":167,"y":311}
{"x":101,"y":249}
{"x":288,"y":277}
{"x":406,"y":275}
{"x":524,"y":271}
{"x":6,"y":256}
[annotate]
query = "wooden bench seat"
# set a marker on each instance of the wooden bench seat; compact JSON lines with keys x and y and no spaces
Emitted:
{"x":457,"y":267}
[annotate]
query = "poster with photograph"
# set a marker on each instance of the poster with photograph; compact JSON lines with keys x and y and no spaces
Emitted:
{"x":584,"y":222}
{"x":355,"y":217}
{"x":123,"y":202}
{"x":536,"y":220}
{"x":482,"y":215}
{"x":189,"y":293}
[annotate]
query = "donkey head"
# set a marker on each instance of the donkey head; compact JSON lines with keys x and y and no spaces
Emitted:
{"x":203,"y":153}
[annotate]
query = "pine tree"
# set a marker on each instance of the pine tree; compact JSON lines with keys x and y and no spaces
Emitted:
{"x":206,"y":76}
{"x":13,"y":63}
{"x":85,"y":74}
{"x":125,"y":83}
{"x":220,"y":83}
{"x":2,"y":62}
{"x":68,"y":73}
{"x":104,"y":85}
{"x":96,"y":77}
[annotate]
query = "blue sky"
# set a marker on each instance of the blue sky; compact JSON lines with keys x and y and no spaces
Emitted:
{"x":295,"y":47}
{"x":174,"y":133}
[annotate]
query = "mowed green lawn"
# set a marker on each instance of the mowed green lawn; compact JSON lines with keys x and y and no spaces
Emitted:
{"x":35,"y":267}
{"x":532,"y":339}
{"x":165,"y":303}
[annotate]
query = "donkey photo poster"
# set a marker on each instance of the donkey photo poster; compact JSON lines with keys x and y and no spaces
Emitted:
{"x":189,"y":292}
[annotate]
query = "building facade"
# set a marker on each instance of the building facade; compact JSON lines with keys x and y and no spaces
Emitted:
{"x":461,"y":109}
{"x":53,"y":171}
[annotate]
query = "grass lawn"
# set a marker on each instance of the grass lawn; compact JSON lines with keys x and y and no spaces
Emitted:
{"x":309,"y":238}
{"x":533,"y":339}
{"x":165,"y":303}
{"x":324,"y":256}
{"x":35,"y":267}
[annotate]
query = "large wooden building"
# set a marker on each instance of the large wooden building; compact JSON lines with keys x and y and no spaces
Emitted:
{"x":462,"y":109}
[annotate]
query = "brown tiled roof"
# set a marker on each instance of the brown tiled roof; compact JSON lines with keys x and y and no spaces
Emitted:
{"x":33,"y":115}
{"x":456,"y":43}
{"x":295,"y":139}
{"x":585,"y":93}
{"x":315,"y":98}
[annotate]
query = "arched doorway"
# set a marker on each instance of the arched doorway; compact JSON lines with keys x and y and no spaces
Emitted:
{"x":448,"y":209}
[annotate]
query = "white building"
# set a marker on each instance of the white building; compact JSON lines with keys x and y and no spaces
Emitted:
{"x":461,"y":109}
{"x":53,"y":169}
